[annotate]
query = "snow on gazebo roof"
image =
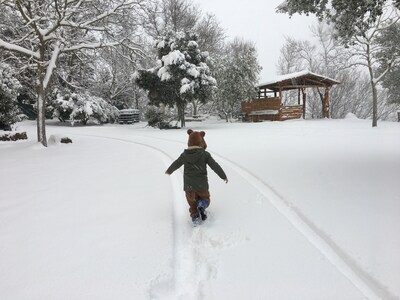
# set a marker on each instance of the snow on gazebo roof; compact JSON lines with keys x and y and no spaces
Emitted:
{"x":293,"y":80}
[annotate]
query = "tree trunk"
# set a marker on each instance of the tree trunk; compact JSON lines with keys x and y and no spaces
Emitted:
{"x":181,"y":114}
{"x":226,"y":115}
{"x":41,"y":104}
{"x":374,"y":92}
{"x":136,"y":100}
{"x":41,"y":117}
{"x":194,"y":108}
{"x":374,"y":98}
{"x":374,"y":105}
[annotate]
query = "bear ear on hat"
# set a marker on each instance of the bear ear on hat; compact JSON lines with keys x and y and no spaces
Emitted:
{"x":202,"y":133}
{"x":189,"y":131}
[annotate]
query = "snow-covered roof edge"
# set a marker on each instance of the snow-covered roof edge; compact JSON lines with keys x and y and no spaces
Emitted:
{"x":293,"y":75}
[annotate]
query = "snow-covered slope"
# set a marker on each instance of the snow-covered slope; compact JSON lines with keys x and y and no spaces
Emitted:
{"x":311,"y":211}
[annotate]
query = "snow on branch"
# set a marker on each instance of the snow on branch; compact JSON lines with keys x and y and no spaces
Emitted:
{"x":91,"y":46}
{"x":135,"y":50}
{"x":81,"y":26}
{"x":109,"y":12}
{"x":18,"y":49}
{"x":52,"y":65}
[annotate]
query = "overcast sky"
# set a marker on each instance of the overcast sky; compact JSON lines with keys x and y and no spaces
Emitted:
{"x":257,"y":21}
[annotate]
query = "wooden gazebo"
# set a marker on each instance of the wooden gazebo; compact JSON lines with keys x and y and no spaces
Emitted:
{"x":268,"y":105}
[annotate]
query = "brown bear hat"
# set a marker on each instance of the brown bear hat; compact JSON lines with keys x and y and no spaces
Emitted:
{"x":196,"y":138}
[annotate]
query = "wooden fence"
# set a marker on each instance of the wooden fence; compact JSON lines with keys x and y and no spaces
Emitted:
{"x":262,"y":109}
{"x":291,"y":112}
{"x":270,"y":109}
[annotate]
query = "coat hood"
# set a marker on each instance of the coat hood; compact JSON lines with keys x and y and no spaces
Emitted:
{"x":194,"y":154}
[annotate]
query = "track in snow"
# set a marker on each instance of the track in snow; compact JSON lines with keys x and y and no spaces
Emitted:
{"x":192,"y":266}
{"x":189,"y":277}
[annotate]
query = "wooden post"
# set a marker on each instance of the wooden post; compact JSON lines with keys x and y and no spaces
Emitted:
{"x":304,"y":102}
{"x":280,"y":104}
{"x":325,"y":106}
{"x":298,"y":96}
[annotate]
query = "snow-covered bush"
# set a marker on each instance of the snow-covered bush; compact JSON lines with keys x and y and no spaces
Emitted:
{"x":157,"y":119}
{"x":13,"y":136}
{"x":81,"y":107}
{"x":153,"y":117}
{"x":9,"y":87}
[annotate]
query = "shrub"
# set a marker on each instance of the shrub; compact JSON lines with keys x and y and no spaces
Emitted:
{"x":154,"y":117}
{"x":82,"y":107}
{"x":13,"y":136}
{"x":157,"y":119}
{"x":66,"y":140}
{"x":9,"y":87}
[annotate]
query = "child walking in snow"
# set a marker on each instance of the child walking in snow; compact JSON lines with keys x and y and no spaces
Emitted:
{"x":195,"y":181}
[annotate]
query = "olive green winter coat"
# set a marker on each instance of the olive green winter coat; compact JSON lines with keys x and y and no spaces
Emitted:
{"x":195,"y":161}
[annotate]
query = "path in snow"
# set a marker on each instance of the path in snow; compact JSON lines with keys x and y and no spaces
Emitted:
{"x":367,"y":285}
{"x":193,"y":264}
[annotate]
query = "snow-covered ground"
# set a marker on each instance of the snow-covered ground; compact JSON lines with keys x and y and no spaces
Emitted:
{"x":311,"y":211}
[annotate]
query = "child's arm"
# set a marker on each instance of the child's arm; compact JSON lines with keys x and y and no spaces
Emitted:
{"x":175,"y":165}
{"x":217,"y":168}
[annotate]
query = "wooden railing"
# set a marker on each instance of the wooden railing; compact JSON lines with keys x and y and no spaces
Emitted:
{"x":291,"y":112}
{"x":270,"y":109}
{"x":262,"y":109}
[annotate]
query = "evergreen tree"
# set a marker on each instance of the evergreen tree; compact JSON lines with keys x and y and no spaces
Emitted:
{"x":347,"y":16}
{"x":237,"y":75}
{"x":181,"y":76}
{"x":9,"y":86}
{"x":389,"y":41}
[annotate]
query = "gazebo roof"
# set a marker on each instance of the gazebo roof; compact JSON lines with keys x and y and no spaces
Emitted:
{"x":297,"y":80}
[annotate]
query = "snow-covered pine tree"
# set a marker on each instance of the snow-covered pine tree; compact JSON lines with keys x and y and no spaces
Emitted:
{"x":181,"y":75}
{"x":237,"y":74}
{"x":389,"y":41}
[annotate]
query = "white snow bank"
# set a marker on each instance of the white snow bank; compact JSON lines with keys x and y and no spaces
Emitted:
{"x":351,"y":116}
{"x":55,"y":139}
{"x":311,"y":211}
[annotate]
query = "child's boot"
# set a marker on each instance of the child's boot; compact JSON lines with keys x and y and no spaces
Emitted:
{"x":201,"y":208}
{"x":196,"y":220}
